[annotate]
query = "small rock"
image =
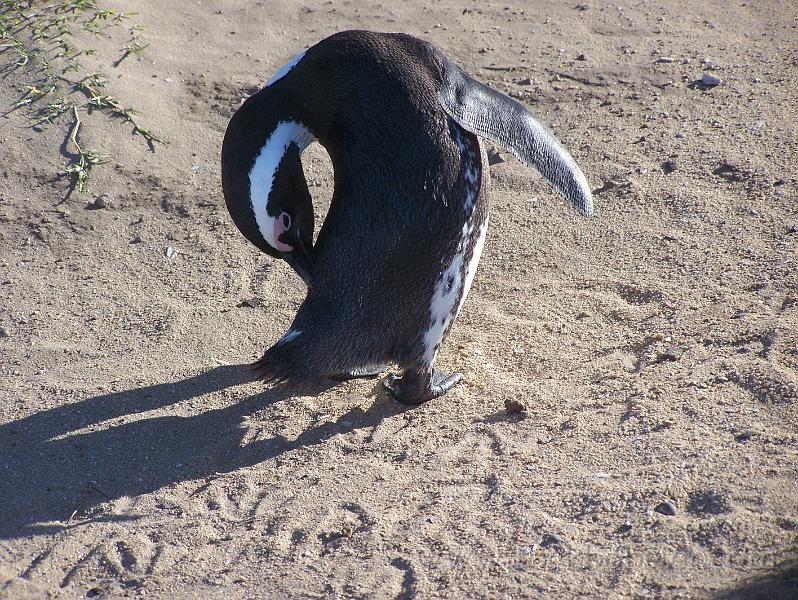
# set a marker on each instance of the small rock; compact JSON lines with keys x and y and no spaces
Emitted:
{"x":672,"y":354}
{"x":601,"y":475}
{"x":744,"y":436}
{"x":550,"y":539}
{"x":526,"y":81}
{"x":4,"y":331}
{"x":709,"y":80}
{"x":251,"y":303}
{"x":495,"y":157}
{"x":170,"y":252}
{"x":582,"y":57}
{"x":583,"y":315}
{"x":101,"y":201}
{"x":514,"y":407}
{"x":666,"y":508}
{"x":664,"y":59}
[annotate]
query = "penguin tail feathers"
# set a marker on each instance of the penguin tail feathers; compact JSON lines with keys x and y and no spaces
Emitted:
{"x":271,"y":368}
{"x":490,"y":114}
{"x":287,"y":363}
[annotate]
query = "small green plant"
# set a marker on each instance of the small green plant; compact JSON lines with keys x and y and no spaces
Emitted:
{"x":36,"y":40}
{"x":100,"y":101}
{"x":85,"y":159}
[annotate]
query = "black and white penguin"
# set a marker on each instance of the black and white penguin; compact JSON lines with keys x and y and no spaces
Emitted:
{"x":399,"y":248}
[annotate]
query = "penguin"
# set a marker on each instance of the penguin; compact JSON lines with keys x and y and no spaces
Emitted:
{"x":397,"y":253}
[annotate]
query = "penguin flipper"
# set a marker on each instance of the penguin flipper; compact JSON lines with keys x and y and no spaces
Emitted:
{"x":490,"y":114}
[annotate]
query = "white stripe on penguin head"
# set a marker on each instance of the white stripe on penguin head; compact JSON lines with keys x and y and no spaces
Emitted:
{"x":285,"y":68}
{"x":261,"y":177}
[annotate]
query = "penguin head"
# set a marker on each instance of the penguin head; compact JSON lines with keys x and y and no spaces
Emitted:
{"x":288,"y":221}
{"x":264,"y":185}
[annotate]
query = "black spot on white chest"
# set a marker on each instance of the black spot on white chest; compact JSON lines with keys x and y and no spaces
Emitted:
{"x":453,"y":284}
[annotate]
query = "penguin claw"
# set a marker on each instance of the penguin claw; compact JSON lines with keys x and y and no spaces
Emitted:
{"x":442,"y":383}
{"x":360,"y":373}
{"x":438,"y":384}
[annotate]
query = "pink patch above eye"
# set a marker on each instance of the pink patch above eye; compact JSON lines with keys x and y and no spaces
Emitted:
{"x":278,"y":231}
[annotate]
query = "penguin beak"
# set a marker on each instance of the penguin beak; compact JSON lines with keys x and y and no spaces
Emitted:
{"x":300,"y":259}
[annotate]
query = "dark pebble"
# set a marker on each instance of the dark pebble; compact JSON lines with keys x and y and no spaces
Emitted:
{"x":550,"y":539}
{"x":250,"y":303}
{"x":670,"y":355}
{"x":495,"y":157}
{"x":744,"y":436}
{"x":102,"y":201}
{"x":666,"y":508}
{"x":514,"y":407}
{"x":669,"y":166}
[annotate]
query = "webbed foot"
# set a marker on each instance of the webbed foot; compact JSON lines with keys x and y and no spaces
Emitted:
{"x":414,"y":388}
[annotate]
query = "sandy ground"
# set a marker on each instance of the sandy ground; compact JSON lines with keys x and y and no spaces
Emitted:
{"x":655,"y":346}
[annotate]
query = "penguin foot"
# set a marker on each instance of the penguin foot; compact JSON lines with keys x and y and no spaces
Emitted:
{"x":360,"y":373}
{"x":410,"y":389}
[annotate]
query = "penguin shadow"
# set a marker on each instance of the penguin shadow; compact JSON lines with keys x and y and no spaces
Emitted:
{"x":778,"y":583}
{"x":58,"y":464}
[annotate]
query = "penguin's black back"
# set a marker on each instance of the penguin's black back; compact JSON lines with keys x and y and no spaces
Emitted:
{"x":397,"y":212}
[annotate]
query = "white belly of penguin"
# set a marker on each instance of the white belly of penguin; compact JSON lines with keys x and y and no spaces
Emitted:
{"x":452,"y":287}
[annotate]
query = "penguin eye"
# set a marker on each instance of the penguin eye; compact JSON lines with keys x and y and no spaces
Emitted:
{"x":286,"y":219}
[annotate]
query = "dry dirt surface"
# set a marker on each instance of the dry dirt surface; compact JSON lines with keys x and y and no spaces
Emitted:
{"x":648,"y":356}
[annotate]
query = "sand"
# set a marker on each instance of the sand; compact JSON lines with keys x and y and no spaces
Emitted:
{"x":654,"y":347}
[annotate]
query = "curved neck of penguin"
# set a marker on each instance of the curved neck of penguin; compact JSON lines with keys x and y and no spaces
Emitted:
{"x":264,"y":171}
